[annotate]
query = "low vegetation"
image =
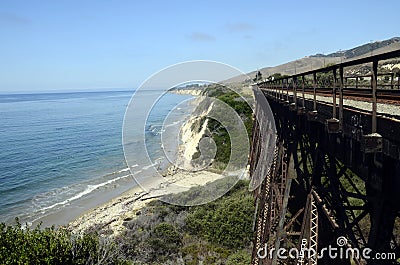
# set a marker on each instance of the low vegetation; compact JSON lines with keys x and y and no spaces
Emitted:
{"x":216,"y":233}
{"x":52,"y":246}
{"x":213,"y":233}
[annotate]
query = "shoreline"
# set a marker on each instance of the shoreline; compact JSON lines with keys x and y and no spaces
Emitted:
{"x":131,"y":179}
{"x":109,"y":217}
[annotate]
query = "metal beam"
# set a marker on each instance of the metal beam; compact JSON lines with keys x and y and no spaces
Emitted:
{"x":374,"y":83}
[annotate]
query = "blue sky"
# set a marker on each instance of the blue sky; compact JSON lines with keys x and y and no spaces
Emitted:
{"x":98,"y":44}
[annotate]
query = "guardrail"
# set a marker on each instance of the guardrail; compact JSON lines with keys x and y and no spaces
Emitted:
{"x":332,"y":78}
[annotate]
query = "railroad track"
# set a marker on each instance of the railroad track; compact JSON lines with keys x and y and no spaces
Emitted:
{"x":385,"y":94}
{"x":389,"y":96}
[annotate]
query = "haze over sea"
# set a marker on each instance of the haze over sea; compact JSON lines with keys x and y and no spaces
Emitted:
{"x":61,"y":153}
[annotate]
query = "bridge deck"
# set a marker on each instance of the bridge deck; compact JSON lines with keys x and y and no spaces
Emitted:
{"x":383,"y":109}
{"x":357,"y":123}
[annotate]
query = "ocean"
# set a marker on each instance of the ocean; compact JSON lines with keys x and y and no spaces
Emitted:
{"x":61,"y":153}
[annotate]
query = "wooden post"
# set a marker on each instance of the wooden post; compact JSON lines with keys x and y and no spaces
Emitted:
{"x":271,"y":89}
{"x":294,"y":91}
{"x":374,"y":99}
{"x":333,"y":124}
{"x":391,"y":80}
{"x":302,"y":92}
{"x":334,"y":94}
{"x":398,"y":81}
{"x":276,"y":88}
{"x":315,"y":90}
{"x":341,"y":97}
{"x":287,"y":90}
{"x":279,"y":86}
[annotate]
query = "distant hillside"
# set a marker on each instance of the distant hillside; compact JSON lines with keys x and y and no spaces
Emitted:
{"x":320,"y":60}
{"x":298,"y":66}
{"x":363,"y":49}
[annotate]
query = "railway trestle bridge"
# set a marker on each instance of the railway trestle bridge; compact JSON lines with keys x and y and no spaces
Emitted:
{"x":335,"y":176}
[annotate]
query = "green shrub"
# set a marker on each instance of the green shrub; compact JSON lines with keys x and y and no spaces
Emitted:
{"x":20,"y":245}
{"x":227,"y":221}
{"x":164,"y":239}
{"x":197,"y":251}
{"x":240,"y":257}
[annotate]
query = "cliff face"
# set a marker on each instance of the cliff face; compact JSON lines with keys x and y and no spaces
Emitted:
{"x":191,"y":134}
{"x":216,"y":138}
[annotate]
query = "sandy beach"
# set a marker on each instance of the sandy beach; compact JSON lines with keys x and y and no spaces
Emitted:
{"x":109,"y":217}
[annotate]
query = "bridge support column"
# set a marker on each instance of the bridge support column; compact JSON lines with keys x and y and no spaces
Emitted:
{"x":384,"y":204}
{"x":382,"y":216}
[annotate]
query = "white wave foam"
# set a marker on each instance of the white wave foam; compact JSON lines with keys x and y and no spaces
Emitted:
{"x":89,"y":189}
{"x":137,"y":172}
{"x":127,"y":169}
{"x":172,"y":124}
{"x":149,"y":166}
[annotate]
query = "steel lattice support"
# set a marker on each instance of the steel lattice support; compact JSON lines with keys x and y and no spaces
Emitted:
{"x":309,"y":232}
{"x":343,"y":203}
{"x":345,"y":177}
{"x":272,"y":200}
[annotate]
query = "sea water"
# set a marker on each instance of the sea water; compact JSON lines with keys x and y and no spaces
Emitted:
{"x":61,"y":153}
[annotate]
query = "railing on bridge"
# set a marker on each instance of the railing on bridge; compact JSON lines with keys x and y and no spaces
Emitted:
{"x":335,"y":82}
